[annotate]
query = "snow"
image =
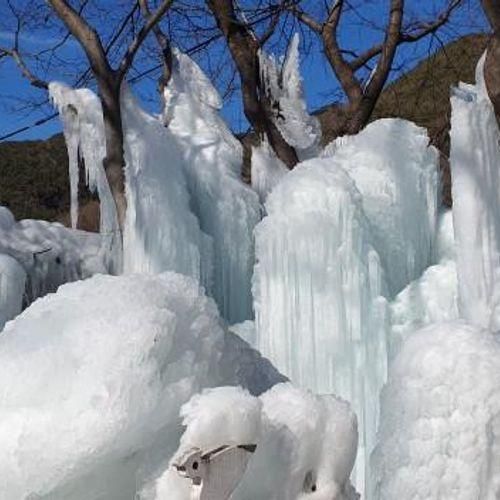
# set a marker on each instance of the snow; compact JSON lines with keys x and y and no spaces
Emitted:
{"x":49,"y":253}
{"x":12,"y":284}
{"x":318,"y":286}
{"x":319,"y":435}
{"x":474,"y":160}
{"x":226,"y":208}
{"x":440,"y":425}
{"x":396,"y":172}
{"x":93,"y":378}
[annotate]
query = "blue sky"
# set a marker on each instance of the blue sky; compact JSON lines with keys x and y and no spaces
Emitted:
{"x":319,"y":82}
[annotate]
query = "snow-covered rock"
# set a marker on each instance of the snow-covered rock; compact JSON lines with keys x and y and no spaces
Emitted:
{"x":320,"y":311}
{"x":440,"y":422}
{"x":306,"y":444}
{"x":475,"y":167}
{"x":226,"y":208}
{"x":93,"y":378}
{"x":396,"y":172}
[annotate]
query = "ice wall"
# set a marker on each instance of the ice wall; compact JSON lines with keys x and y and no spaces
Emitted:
{"x":161,"y":233}
{"x":227,"y":209}
{"x":440,"y":422}
{"x":318,"y":286}
{"x":475,"y":167}
{"x":396,"y":172}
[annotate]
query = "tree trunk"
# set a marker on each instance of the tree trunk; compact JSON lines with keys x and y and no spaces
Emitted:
{"x":114,"y":162}
{"x":492,"y":63}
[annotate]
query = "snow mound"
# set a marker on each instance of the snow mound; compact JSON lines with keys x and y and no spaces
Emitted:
{"x":12,"y":285}
{"x":49,"y":253}
{"x":475,"y":166}
{"x":227,"y":209}
{"x":93,"y":378}
{"x":440,"y":422}
{"x":306,"y":444}
{"x":396,"y":172}
{"x":318,"y":286}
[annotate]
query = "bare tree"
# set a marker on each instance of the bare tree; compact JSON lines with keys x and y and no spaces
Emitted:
{"x":492,"y":63}
{"x":109,"y":80}
{"x":362,"y":97}
{"x":244,"y":46}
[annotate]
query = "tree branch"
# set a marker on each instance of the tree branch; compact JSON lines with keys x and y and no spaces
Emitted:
{"x":25,"y":71}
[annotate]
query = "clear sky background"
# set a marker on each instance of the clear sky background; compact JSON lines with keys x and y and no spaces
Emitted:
{"x":361,"y":29}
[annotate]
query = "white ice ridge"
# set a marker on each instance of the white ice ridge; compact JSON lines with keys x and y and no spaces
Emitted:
{"x":227,"y":209}
{"x":49,"y":253}
{"x":440,"y":421}
{"x":282,"y":83}
{"x":396,"y":172}
{"x":475,"y":167}
{"x":318,"y":287}
{"x":306,"y":444}
{"x":83,"y":126}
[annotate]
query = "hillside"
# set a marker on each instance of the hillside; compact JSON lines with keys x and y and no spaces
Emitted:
{"x":34,"y":179}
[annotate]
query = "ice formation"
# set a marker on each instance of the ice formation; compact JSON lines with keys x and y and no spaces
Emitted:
{"x":267,"y":170}
{"x":93,"y":378}
{"x":320,"y":313}
{"x":161,"y":233}
{"x":396,"y":172}
{"x":475,"y":167}
{"x":282,"y":84}
{"x":306,"y":444}
{"x":431,"y":298}
{"x":227,"y":209}
{"x":49,"y":253}
{"x":440,"y":422}
{"x":12,"y":285}
{"x":83,"y":126}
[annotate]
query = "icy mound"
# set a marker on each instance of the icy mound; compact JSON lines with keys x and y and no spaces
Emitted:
{"x":440,"y":422}
{"x":475,"y":166}
{"x":320,"y":314}
{"x":306,"y":444}
{"x":12,"y":285}
{"x":93,"y":378}
{"x":227,"y":209}
{"x":396,"y":172}
{"x":432,"y":298}
{"x":49,"y":253}
{"x":161,"y":233}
